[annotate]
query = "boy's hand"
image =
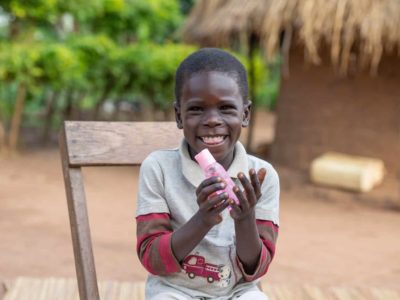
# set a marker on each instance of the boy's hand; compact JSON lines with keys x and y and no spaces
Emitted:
{"x":249,"y":197}
{"x":210,"y":203}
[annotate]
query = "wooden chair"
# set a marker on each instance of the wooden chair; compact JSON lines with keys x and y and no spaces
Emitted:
{"x":85,"y":144}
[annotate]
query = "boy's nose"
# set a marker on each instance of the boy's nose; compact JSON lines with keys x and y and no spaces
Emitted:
{"x":212,"y":119}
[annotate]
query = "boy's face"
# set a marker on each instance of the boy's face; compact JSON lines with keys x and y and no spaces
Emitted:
{"x":212,"y":114}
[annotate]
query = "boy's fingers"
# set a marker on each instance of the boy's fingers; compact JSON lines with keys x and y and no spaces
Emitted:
{"x":207,"y":182}
{"x":255,"y":182}
{"x":242,"y":199}
{"x":235,"y":207}
{"x":248,"y":187}
{"x":261,"y":175}
{"x":221,"y":207}
{"x":216,"y":200}
{"x":208,"y":190}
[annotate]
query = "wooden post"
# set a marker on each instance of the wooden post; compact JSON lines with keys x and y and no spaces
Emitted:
{"x":80,"y":230}
{"x":102,"y":144}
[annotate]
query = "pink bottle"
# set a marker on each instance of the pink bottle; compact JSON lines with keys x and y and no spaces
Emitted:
{"x":212,"y":168}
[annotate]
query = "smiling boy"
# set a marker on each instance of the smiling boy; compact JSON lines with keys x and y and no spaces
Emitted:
{"x":187,"y":239}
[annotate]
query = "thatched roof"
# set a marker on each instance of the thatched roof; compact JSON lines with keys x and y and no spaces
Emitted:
{"x":361,"y":29}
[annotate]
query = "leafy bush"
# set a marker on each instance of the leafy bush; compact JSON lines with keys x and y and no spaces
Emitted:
{"x":60,"y":57}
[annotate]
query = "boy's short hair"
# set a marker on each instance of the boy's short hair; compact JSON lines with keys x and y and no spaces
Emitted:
{"x":208,"y":60}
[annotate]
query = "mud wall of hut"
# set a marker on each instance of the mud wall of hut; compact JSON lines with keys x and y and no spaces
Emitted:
{"x":319,"y":111}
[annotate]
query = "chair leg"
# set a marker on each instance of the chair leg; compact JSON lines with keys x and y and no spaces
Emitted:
{"x":80,"y":229}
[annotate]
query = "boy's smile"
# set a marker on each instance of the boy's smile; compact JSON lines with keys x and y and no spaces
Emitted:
{"x":211,"y":112}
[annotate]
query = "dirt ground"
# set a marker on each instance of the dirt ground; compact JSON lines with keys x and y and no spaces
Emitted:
{"x":326,"y":237}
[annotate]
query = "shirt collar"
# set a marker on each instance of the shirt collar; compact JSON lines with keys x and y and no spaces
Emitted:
{"x":195,"y":175}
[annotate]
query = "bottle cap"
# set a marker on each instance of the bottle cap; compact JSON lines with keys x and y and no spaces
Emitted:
{"x":204,"y":158}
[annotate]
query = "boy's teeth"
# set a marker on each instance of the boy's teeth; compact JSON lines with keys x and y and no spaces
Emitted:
{"x":213,"y":139}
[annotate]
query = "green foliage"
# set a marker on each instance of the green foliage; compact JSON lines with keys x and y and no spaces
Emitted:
{"x":267,"y":78}
{"x":92,"y":53}
{"x":83,"y":12}
{"x":32,"y":10}
{"x":123,"y":20}
{"x":267,"y":94}
{"x":138,"y":20}
{"x":19,"y":63}
{"x":156,"y":69}
{"x":186,"y":6}
{"x":61,"y":66}
{"x":97,"y":51}
{"x":7,"y":97}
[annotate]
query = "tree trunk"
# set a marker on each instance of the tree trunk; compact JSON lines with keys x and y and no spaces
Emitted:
{"x":14,"y":29}
{"x":103,"y":98}
{"x":148,"y":113}
{"x":116,"y":113}
{"x":2,"y":137}
{"x":252,"y":94}
{"x":17,"y":116}
{"x":169,"y":114}
{"x":50,"y":108}
{"x":97,"y":108}
{"x":69,"y":107}
{"x":77,"y":111}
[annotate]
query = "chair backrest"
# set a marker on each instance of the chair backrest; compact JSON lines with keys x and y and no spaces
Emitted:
{"x":102,"y":144}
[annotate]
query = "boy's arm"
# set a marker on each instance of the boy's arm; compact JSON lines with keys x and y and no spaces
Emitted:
{"x":258,"y":264}
{"x":160,"y":249}
{"x":211,"y":204}
{"x":153,"y":233}
{"x":256,"y":239}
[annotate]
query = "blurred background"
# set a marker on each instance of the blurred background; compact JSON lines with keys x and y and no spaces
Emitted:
{"x":98,"y":60}
{"x":324,"y":77}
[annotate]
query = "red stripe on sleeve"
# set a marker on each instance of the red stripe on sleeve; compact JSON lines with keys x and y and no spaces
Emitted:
{"x":270,"y":246}
{"x":167,"y":257}
{"x":150,"y":217}
{"x":268,"y":224}
{"x":142,"y":238}
{"x":146,"y":258}
{"x":261,"y":268}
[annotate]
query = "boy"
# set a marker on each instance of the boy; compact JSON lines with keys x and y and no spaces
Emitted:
{"x":191,"y":244}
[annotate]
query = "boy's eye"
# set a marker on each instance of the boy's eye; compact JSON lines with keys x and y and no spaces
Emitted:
{"x":227,"y":107}
{"x":195,"y":108}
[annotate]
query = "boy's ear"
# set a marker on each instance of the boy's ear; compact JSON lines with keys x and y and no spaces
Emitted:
{"x":246,"y":114}
{"x":178,"y":118}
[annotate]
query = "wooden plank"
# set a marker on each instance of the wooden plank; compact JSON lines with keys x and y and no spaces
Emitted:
{"x":43,"y":288}
{"x":65,"y":289}
{"x":316,"y":293}
{"x":385,"y":294}
{"x":139,"y":291}
{"x":2,"y":285}
{"x":284,"y":293}
{"x":80,"y":231}
{"x":117,"y":143}
{"x":346,"y":293}
{"x":52,"y":288}
{"x":71,"y":290}
{"x":12,"y":290}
